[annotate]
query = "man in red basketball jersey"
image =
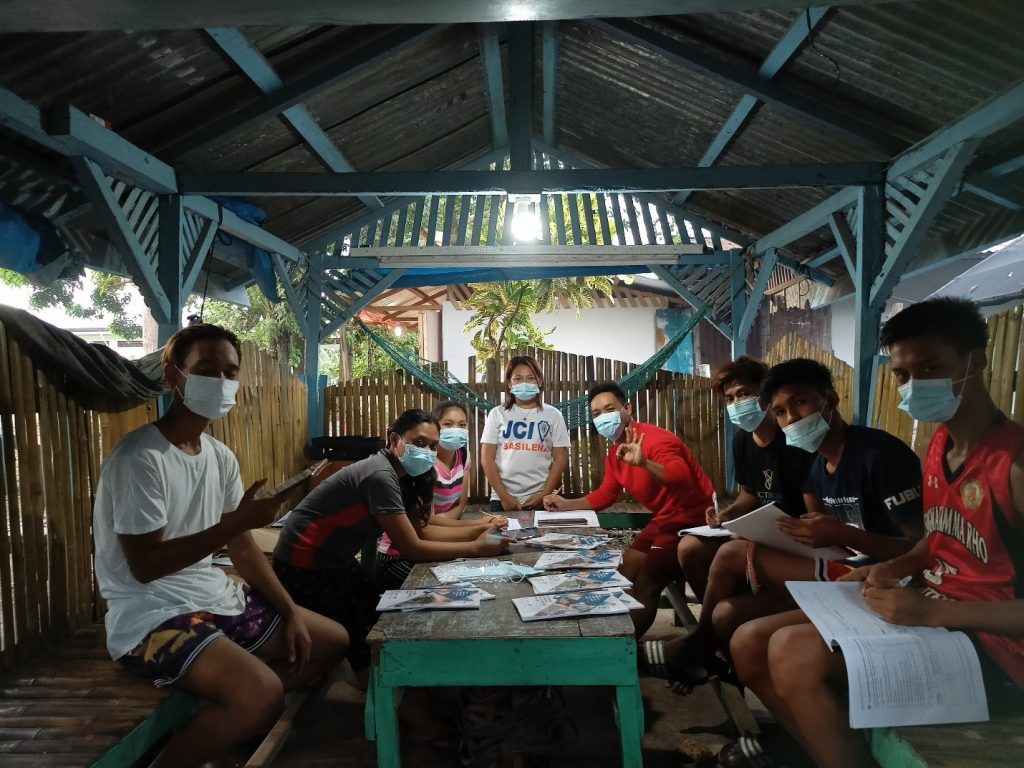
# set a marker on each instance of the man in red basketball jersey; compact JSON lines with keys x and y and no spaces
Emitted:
{"x":968,"y":570}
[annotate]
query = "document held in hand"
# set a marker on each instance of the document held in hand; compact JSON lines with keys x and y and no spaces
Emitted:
{"x":760,"y":526}
{"x":897,"y":675}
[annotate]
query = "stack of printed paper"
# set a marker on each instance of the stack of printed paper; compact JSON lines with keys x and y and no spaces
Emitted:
{"x":551,"y":561}
{"x":570,"y":605}
{"x":445,"y":598}
{"x":575,"y":581}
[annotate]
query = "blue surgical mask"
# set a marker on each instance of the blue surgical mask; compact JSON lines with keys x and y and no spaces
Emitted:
{"x":609,"y":425}
{"x":746,"y":414}
{"x":932,"y":400}
{"x":808,"y":432}
{"x":453,"y":438}
{"x":417,"y":461}
{"x":524,"y":392}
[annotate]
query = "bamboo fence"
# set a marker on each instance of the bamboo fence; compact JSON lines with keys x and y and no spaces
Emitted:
{"x":53,"y":450}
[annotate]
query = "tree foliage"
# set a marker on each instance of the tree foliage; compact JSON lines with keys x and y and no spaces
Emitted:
{"x":271,"y":327}
{"x":503,"y":313}
{"x":110,"y":298}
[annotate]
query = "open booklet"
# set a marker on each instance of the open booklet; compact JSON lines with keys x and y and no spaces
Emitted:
{"x":445,"y":598}
{"x":552,"y":561}
{"x":574,"y":518}
{"x":760,"y":526}
{"x":572,"y":605}
{"x":897,"y":675}
{"x":574,"y":581}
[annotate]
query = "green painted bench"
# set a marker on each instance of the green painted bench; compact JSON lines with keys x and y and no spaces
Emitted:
{"x":995,"y":744}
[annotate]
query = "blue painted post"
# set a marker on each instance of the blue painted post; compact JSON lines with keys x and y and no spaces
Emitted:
{"x":870,"y":257}
{"x":738,"y":306}
{"x":311,"y":332}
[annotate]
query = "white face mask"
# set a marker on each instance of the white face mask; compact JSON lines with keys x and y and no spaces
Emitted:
{"x":209,"y":397}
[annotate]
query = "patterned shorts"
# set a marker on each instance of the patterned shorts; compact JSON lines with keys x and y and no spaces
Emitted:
{"x":166,"y":653}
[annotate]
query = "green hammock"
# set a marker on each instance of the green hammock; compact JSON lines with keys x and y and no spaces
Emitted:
{"x":576,"y":412}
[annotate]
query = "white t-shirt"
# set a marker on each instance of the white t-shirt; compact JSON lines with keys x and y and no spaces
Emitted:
{"x":525,"y":437}
{"x":147,"y":484}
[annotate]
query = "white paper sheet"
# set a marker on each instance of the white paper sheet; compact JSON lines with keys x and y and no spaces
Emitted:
{"x":760,"y":526}
{"x":706,"y":532}
{"x":897,"y":675}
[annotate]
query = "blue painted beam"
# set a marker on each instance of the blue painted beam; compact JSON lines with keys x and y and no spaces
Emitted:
{"x":749,"y":82}
{"x":737,"y":303}
{"x":1008,"y":160}
{"x":549,"y":77}
{"x":520,"y":91}
{"x":784,"y":50}
{"x":97,"y":188}
{"x":79,"y":134}
{"x":807,"y":222}
{"x":250,"y":60}
{"x":361,"y":303}
{"x":746,"y":322}
{"x":290,"y":292}
{"x":193,"y":266}
{"x":845,"y":241}
{"x":825,"y":258}
{"x":25,"y":119}
{"x":237,"y":227}
{"x":996,"y":190}
{"x":169,"y":264}
{"x":689,"y":297}
{"x":994,"y":115}
{"x":490,"y":56}
{"x":870,"y":257}
{"x":799,"y":268}
{"x":946,"y":176}
{"x":305,"y":88}
{"x":529,"y":182}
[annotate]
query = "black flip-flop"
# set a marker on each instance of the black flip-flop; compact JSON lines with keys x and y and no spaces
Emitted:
{"x":654,"y":663}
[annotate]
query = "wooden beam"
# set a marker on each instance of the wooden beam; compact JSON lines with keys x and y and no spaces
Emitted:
{"x":791,"y":42}
{"x":505,"y":256}
{"x":494,"y":82}
{"x":302,"y":89}
{"x":807,"y":222}
{"x":749,"y":82}
{"x":238,"y":227}
{"x":870,"y":257}
{"x":520,"y":91}
{"x":197,"y":257}
{"x":250,"y":60}
{"x":97,"y":188}
{"x":746,"y":322}
{"x":994,"y":115}
{"x":117,"y":15}
{"x":689,"y":297}
{"x":549,"y":78}
{"x":529,"y":182}
{"x":845,"y":241}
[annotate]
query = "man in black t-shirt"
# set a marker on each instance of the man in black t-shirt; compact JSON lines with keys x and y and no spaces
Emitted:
{"x":863,"y":493}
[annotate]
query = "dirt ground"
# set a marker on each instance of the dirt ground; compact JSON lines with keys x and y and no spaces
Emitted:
{"x":676,"y":727}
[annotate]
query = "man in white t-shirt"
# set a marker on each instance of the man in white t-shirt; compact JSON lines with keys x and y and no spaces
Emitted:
{"x":169,"y":496}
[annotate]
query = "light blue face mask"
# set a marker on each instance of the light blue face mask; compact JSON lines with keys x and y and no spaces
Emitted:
{"x":932,"y":400}
{"x":453,"y":438}
{"x":524,"y":392}
{"x":808,"y":432}
{"x":417,"y":461}
{"x":746,"y":413}
{"x":609,"y":425}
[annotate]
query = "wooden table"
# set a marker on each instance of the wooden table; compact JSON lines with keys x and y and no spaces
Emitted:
{"x":493,"y":646}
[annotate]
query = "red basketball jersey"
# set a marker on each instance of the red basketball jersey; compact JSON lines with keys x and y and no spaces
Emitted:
{"x":971,"y":546}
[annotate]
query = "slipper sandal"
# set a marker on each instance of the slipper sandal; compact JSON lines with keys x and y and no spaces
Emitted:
{"x":653,"y":663}
{"x":745,"y":752}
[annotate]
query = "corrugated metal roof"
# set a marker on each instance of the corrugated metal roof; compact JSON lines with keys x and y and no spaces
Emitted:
{"x":905,"y":67}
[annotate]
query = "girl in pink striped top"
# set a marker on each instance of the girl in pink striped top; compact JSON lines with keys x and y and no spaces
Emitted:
{"x":450,"y":489}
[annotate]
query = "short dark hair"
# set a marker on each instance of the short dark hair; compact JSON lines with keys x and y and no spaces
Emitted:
{"x":956,"y":321}
{"x":800,"y":370}
{"x":608,"y":386}
{"x":409,"y":419}
{"x":446,"y":405}
{"x":743,"y":368}
{"x":180,"y":344}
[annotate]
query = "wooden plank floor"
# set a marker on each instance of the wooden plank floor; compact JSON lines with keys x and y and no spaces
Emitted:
{"x":70,"y":705}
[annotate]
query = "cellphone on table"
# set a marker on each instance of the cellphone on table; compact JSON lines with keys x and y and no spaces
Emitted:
{"x":519,"y":534}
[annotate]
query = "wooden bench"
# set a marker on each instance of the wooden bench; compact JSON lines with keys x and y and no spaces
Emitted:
{"x":73,"y":706}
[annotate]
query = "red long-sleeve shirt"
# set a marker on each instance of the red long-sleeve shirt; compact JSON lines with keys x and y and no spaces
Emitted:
{"x":684,"y":495}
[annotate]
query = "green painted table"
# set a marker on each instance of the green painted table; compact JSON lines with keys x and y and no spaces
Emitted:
{"x":493,"y":646}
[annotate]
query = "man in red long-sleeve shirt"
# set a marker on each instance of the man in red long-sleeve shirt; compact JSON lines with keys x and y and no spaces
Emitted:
{"x":657,"y":470}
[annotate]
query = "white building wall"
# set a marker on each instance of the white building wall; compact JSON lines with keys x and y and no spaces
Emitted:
{"x":619,"y":334}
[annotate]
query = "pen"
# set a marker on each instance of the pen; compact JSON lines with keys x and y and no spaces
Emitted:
{"x":714,"y":503}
